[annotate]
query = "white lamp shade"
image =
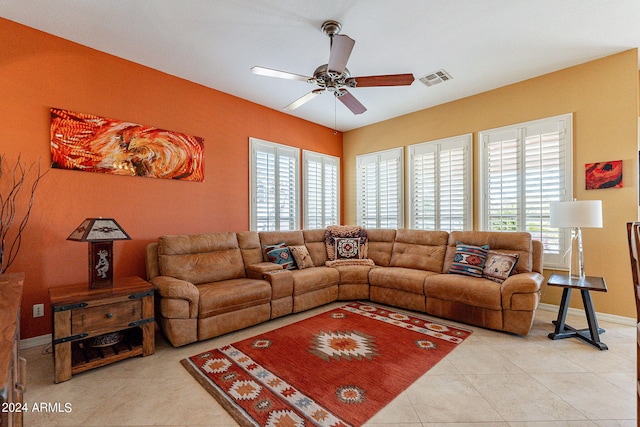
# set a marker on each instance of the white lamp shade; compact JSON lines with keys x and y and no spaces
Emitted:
{"x":576,"y":213}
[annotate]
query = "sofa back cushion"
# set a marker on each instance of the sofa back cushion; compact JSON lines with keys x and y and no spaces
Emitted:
{"x":513,"y":242}
{"x":314,"y":240}
{"x":290,"y":238}
{"x":380,"y":245}
{"x":421,"y":249}
{"x":201,"y":258}
{"x":249,"y":242}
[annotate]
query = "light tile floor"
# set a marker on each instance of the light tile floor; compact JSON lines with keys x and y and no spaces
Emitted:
{"x":491,"y":379}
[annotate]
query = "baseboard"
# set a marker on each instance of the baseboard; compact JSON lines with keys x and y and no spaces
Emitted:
{"x":629,"y":321}
{"x":35,"y":341}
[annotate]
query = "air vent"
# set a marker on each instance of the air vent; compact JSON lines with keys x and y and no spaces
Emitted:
{"x":435,"y":78}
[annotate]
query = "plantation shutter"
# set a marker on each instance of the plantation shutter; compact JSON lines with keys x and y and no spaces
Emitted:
{"x":440,"y":177}
{"x":380,"y":190}
{"x":526,"y":167}
{"x":274,"y":186}
{"x":321,"y":190}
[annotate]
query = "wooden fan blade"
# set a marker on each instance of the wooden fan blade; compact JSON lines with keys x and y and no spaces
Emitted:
{"x":341,"y":47}
{"x":303,"y":99}
{"x":384,"y":80}
{"x":262,"y":71}
{"x":350,"y":101}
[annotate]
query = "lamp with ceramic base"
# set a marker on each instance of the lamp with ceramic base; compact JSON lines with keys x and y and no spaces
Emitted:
{"x":100,"y":233}
{"x":576,"y":214}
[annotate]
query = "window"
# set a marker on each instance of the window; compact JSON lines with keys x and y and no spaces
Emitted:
{"x":524,"y":167}
{"x":321,"y":190}
{"x":274,"y":180}
{"x":440,"y":184}
{"x":380,"y":190}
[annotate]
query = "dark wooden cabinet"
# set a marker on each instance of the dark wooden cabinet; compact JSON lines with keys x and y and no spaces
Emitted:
{"x":13,"y":369}
{"x":82,"y":317}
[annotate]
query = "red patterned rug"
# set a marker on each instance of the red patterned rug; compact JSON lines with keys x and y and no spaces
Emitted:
{"x":334,"y":369}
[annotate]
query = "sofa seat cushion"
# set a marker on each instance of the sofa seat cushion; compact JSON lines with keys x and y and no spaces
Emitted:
{"x":354,"y":274}
{"x":311,"y":279}
{"x":232,"y":295}
{"x":472,"y":291}
{"x":404,"y":279}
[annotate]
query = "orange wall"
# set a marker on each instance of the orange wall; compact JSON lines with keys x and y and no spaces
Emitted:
{"x":603,"y":97}
{"x":39,"y":71}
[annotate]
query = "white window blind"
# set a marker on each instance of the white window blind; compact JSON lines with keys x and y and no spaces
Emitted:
{"x":321,"y":190}
{"x":440,"y":184}
{"x":274,"y":177}
{"x":379,"y":182}
{"x":524,"y":168}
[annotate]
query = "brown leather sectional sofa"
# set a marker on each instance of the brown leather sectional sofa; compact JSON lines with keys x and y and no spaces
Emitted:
{"x":211,"y":284}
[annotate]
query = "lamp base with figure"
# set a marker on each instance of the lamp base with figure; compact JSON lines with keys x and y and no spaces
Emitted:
{"x":100,"y":265}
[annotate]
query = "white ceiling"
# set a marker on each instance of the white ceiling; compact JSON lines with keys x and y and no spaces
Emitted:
{"x":483,"y":44}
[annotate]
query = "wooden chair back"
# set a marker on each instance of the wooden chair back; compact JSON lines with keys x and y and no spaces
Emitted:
{"x":633,"y":233}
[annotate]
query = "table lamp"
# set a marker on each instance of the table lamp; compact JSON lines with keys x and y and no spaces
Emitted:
{"x":576,"y":214}
{"x":100,"y":233}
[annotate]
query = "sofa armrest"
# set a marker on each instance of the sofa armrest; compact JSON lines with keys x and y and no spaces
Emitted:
{"x":170,"y":287}
{"x":522,"y":283}
{"x":257,"y":271}
{"x":281,"y":283}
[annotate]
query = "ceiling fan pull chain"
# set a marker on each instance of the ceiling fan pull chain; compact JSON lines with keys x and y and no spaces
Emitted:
{"x":335,"y":115}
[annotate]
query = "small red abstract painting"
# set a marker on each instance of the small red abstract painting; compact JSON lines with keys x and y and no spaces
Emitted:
{"x":91,"y":143}
{"x":603,"y":175}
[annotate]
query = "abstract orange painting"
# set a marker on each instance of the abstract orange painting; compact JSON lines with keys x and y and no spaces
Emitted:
{"x":91,"y":143}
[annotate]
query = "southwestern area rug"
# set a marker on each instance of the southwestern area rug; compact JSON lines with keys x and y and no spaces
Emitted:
{"x":337,"y":368}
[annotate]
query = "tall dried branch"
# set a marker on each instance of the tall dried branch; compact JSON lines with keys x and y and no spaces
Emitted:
{"x":10,"y":201}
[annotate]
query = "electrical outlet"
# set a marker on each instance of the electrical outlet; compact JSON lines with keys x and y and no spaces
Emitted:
{"x":38,"y":310}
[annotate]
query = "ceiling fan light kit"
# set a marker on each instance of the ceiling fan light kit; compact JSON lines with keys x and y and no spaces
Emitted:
{"x":334,"y":76}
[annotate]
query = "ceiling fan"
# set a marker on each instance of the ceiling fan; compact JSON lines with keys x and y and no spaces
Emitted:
{"x":334,"y":76}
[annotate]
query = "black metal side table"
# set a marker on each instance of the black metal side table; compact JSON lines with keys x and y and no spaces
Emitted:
{"x":589,"y":283}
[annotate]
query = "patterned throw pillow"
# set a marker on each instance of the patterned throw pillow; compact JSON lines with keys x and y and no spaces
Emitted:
{"x":499,"y":266}
{"x":280,"y":245}
{"x":348,"y":248}
{"x":302,"y":257}
{"x":280,"y":254}
{"x":469,"y":260}
{"x":334,"y":232}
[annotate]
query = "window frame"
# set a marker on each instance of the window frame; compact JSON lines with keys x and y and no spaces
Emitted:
{"x":376,"y":158}
{"x":324,"y":159}
{"x":256,"y":145}
{"x":464,"y":142}
{"x":553,"y":260}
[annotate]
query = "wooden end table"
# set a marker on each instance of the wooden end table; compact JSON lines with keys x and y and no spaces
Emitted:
{"x":589,"y":283}
{"x":80,"y":314}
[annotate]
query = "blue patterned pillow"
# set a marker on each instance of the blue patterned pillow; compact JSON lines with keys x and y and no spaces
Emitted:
{"x":469,"y":260}
{"x":280,"y":245}
{"x":280,"y":254}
